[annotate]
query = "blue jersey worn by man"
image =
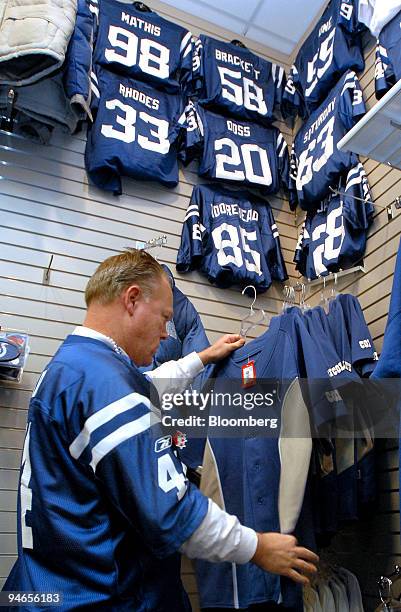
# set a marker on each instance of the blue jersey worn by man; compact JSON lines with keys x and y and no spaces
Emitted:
{"x":122,"y":39}
{"x":135,"y":133}
{"x":90,"y":416}
{"x":334,"y":237}
{"x":231,"y":236}
{"x":333,"y":47}
{"x":236,"y":82}
{"x":232,"y":150}
{"x":388,"y":56}
{"x":316,"y":163}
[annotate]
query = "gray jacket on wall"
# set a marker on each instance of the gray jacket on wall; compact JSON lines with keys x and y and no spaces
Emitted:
{"x":34,"y":35}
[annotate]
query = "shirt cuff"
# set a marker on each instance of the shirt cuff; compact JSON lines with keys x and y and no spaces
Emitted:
{"x":192,"y":365}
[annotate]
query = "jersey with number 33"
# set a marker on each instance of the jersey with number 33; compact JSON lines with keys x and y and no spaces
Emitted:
{"x":333,"y":47}
{"x":231,"y":236}
{"x":316,"y":163}
{"x":135,"y":133}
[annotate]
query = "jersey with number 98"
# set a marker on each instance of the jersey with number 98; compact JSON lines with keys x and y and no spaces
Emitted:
{"x":333,"y":47}
{"x":231,"y":236}
{"x":135,"y":133}
{"x":232,"y":150}
{"x":235,"y":81}
{"x":334,"y":237}
{"x":316,"y":163}
{"x":124,"y":40}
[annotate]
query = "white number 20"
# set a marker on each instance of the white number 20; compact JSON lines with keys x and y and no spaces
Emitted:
{"x":234,"y":159}
{"x":128,"y":133}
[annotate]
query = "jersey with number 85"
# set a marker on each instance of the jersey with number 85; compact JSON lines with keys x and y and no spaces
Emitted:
{"x":231,"y":236}
{"x":134,"y":134}
{"x":316,"y":163}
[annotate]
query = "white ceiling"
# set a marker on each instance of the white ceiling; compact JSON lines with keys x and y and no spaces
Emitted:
{"x":278,"y":24}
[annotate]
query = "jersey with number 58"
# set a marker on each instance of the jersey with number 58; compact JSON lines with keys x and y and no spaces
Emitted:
{"x":231,"y":236}
{"x":136,"y":44}
{"x":333,"y":47}
{"x":236,"y":82}
{"x":135,"y":133}
{"x":334,"y":237}
{"x":316,"y":163}
{"x":232,"y":150}
{"x":104,"y":503}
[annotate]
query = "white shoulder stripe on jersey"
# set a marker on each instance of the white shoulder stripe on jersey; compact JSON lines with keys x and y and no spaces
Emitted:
{"x":187,"y":50}
{"x":129,"y":430}
{"x":36,"y":389}
{"x":102,"y":416}
{"x":95,"y":90}
{"x":194,"y":213}
{"x":185,"y":41}
{"x":275,"y":235}
{"x":282,"y":149}
{"x":94,"y":77}
{"x":192,"y":207}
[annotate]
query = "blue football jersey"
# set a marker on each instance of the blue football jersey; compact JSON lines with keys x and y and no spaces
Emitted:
{"x":232,"y":150}
{"x":249,"y":475}
{"x":333,"y":47}
{"x":316,"y":163}
{"x":334,"y":237}
{"x":103,"y":502}
{"x":135,"y":133}
{"x":231,"y":236}
{"x":139,"y":45}
{"x":236,"y":82}
{"x":388,"y":56}
{"x":351,"y":333}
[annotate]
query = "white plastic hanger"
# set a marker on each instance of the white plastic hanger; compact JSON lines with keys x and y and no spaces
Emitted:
{"x":249,"y":321}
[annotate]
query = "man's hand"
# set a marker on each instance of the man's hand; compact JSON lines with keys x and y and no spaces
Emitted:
{"x":279,"y":554}
{"x":222,"y":348}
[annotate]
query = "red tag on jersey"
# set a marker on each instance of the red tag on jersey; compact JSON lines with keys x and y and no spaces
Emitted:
{"x":248,"y":374}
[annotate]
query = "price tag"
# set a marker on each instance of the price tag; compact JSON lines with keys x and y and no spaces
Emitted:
{"x":248,"y":374}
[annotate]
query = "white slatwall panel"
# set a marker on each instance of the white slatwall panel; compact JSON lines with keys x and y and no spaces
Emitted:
{"x":48,"y":208}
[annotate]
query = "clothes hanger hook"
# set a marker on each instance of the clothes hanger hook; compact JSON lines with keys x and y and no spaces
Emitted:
{"x":254,"y":291}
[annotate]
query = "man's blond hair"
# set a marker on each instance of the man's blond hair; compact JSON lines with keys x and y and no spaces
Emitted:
{"x":116,"y":273}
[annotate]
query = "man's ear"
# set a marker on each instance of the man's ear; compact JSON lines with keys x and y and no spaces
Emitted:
{"x":131,"y":296}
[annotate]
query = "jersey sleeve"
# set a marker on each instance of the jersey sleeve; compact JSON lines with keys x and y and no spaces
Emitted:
{"x":384,"y":73}
{"x":197,"y":72}
{"x":292,"y":104}
{"x":78,"y":67}
{"x":301,"y":250}
{"x":274,"y":256}
{"x":358,"y":214}
{"x":279,"y":80}
{"x":122,"y":444}
{"x":193,"y":140}
{"x":352,"y":105}
{"x":283,"y":160}
{"x":348,"y":17}
{"x":186,"y":57}
{"x":292,"y":181}
{"x":363,"y":352}
{"x":193,"y":236}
